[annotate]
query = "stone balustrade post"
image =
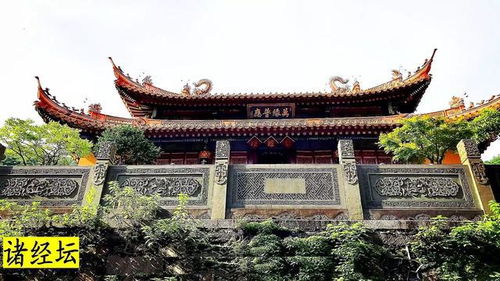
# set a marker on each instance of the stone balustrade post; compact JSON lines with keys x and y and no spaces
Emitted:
{"x":105,"y":156}
{"x":2,"y":152}
{"x":471,"y":158}
{"x":222,"y":152}
{"x":350,"y":178}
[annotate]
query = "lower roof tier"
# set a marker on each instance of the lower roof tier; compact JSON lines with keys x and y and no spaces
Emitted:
{"x":95,"y":122}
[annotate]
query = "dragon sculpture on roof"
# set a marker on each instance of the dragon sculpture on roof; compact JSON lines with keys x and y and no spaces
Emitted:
{"x":202,"y":87}
{"x":356,"y":88}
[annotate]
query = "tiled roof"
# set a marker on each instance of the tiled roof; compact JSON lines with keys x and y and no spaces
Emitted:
{"x":95,"y":122}
{"x":137,"y":95}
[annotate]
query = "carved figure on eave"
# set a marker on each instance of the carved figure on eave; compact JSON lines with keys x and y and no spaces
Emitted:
{"x":202,"y":87}
{"x":397,"y":76}
{"x":356,"y":88}
{"x":95,"y":107}
{"x":456,"y":102}
{"x":147,"y":80}
{"x":186,"y":90}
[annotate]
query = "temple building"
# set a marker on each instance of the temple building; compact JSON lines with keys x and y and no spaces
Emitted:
{"x":274,"y":128}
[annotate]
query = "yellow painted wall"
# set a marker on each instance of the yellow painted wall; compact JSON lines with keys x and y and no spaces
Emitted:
{"x":88,"y":160}
{"x":450,"y":157}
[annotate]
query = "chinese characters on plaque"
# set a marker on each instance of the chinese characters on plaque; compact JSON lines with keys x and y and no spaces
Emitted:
{"x":270,"y":111}
{"x":41,"y":252}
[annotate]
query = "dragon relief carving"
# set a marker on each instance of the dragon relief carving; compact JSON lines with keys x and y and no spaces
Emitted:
{"x":163,"y":186}
{"x":202,"y":87}
{"x":428,"y":187}
{"x":34,"y":187}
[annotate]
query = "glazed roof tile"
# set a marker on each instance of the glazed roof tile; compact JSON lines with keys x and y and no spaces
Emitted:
{"x":95,"y":122}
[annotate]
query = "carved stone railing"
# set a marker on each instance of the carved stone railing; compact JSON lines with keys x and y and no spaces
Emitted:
{"x":286,"y":192}
{"x":413,"y":191}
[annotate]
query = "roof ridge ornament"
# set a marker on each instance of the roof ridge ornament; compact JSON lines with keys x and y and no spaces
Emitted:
{"x":198,"y":89}
{"x":338,"y":89}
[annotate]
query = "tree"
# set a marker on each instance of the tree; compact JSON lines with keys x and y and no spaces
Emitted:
{"x":47,"y":144}
{"x":424,"y":137}
{"x":132,"y":147}
{"x":466,"y":252}
{"x":486,"y":126}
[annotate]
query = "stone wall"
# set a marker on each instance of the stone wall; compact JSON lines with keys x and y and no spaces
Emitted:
{"x":284,"y":192}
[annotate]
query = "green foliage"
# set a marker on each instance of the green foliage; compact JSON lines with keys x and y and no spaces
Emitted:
{"x":132,"y":147}
{"x":22,"y":218}
{"x":176,"y":228}
{"x":486,"y":126}
{"x":466,"y":252}
{"x":123,"y":206}
{"x":259,"y":250}
{"x":424,"y":137}
{"x":47,"y":144}
{"x":493,"y":161}
{"x":85,"y":215}
{"x":311,"y":257}
{"x":360,"y":256}
{"x":265,"y":227}
{"x":342,"y":252}
{"x":10,"y":161}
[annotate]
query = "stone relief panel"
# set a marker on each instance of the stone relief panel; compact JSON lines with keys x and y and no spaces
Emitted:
{"x":100,"y":173}
{"x":106,"y":151}
{"x":479,"y":172}
{"x":221,"y":173}
{"x":167,"y":182}
{"x":350,"y":172}
{"x":415,"y":187}
{"x":470,"y":148}
{"x":222,"y":149}
{"x":52,"y":186}
{"x":346,"y":149}
{"x":253,"y":185}
{"x":398,"y":186}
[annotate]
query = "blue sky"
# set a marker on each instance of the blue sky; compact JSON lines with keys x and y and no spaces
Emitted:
{"x":243,"y":46}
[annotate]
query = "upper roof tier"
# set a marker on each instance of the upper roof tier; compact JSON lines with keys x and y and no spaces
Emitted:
{"x":94,"y":122}
{"x":403,"y":95}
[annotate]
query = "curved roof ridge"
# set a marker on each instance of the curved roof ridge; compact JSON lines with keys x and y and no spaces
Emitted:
{"x":146,"y":87}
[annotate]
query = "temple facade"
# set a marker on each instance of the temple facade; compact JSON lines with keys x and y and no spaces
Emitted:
{"x":274,"y":128}
{"x":306,"y":158}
